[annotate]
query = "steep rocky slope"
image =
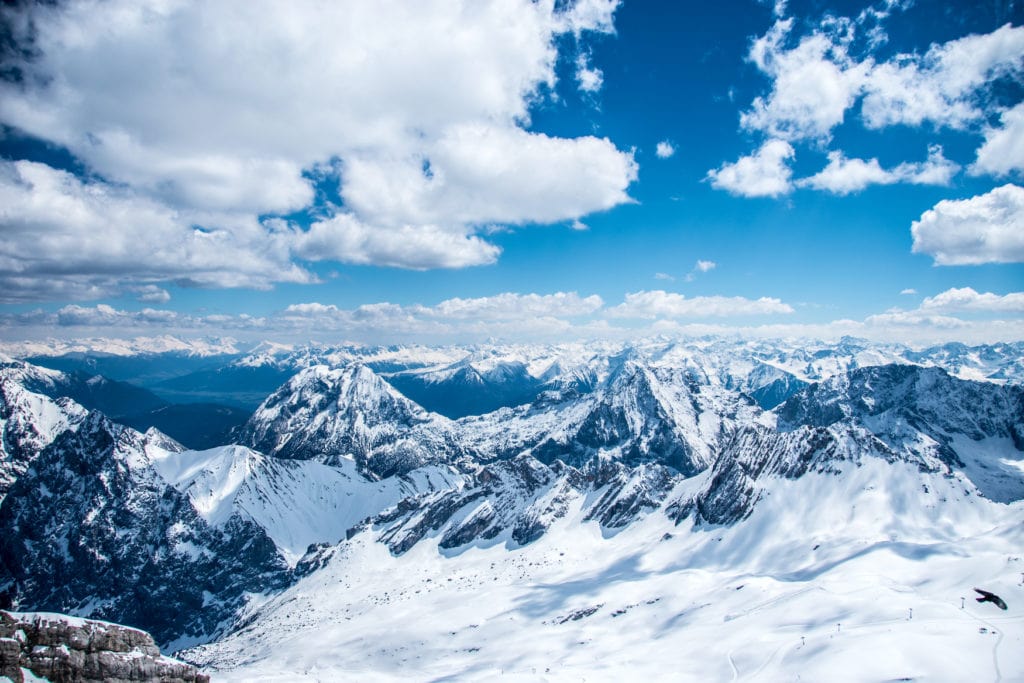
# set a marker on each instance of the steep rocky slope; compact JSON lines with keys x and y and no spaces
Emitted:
{"x":91,"y":528}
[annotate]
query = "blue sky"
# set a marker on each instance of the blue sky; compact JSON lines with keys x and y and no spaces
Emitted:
{"x":447,"y":171}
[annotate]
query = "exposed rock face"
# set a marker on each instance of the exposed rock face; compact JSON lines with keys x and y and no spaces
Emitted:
{"x":68,"y":649}
{"x":735,"y":484}
{"x":28,"y":423}
{"x":516,"y":501}
{"x":897,"y":413}
{"x":91,"y":528}
{"x":926,"y":399}
{"x":328,"y":415}
{"x":771,"y":386}
{"x":638,"y":415}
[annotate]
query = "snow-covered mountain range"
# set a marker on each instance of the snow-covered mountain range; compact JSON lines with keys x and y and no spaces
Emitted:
{"x":613,"y":473}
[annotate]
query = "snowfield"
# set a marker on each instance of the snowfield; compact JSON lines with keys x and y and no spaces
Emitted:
{"x":821,"y":583}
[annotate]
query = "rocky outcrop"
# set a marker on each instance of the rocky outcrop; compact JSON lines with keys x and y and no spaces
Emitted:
{"x":60,"y":648}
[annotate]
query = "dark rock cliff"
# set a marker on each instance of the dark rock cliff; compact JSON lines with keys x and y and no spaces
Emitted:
{"x":69,"y":649}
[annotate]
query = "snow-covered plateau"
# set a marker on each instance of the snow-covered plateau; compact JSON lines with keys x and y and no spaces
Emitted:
{"x":702,"y":510}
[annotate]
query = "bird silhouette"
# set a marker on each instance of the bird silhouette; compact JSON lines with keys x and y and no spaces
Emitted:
{"x":990,"y":597}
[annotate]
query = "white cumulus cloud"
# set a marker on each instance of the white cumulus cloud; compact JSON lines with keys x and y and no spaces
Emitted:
{"x":214,"y":114}
{"x":987,"y":228}
{"x":67,"y":238}
{"x":819,"y":75}
{"x":151,"y":294}
{"x":664,"y":149}
{"x":843,"y":175}
{"x":701,"y":266}
{"x":966,"y":299}
{"x":661,"y":304}
{"x":481,"y":174}
{"x":1003,"y":150}
{"x":939,"y":86}
{"x":512,"y":306}
{"x":814,"y":83}
{"x":816,"y":80}
{"x":897,"y":319}
{"x":766,"y":173}
{"x":589,"y":78}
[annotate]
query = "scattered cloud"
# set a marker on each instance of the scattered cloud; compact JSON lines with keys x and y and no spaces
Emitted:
{"x":664,"y":149}
{"x":816,"y":80}
{"x":935,"y":170}
{"x":558,"y":316}
{"x":966,"y":300}
{"x":904,"y":319}
{"x":818,"y":76}
{"x":347,"y":239}
{"x":480,"y":175}
{"x":510,"y":306}
{"x":814,"y":83}
{"x":987,"y":228}
{"x":500,"y":314}
{"x":662,"y":304}
{"x":700,"y":266}
{"x":934,"y":319}
{"x":940,"y":86}
{"x":103,"y":316}
{"x":151,"y":294}
{"x":766,"y":173}
{"x":909,"y":290}
{"x":588,"y":16}
{"x":588,"y":78}
{"x":1003,"y":150}
{"x":844,"y":176}
{"x":664,"y":276}
{"x":481,"y":314}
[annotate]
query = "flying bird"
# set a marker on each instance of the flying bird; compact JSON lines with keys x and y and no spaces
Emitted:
{"x":990,"y":597}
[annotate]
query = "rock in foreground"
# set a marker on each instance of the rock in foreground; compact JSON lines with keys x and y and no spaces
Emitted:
{"x":62,"y":648}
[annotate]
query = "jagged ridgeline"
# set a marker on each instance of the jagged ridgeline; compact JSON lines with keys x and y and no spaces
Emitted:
{"x":440,"y":451}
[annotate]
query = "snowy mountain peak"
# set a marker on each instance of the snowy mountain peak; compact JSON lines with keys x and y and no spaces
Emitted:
{"x":354,"y":390}
{"x":336,"y":414}
{"x":29,"y":421}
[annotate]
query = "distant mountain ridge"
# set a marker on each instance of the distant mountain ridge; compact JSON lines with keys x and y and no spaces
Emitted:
{"x":104,"y":520}
{"x":458,"y":381}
